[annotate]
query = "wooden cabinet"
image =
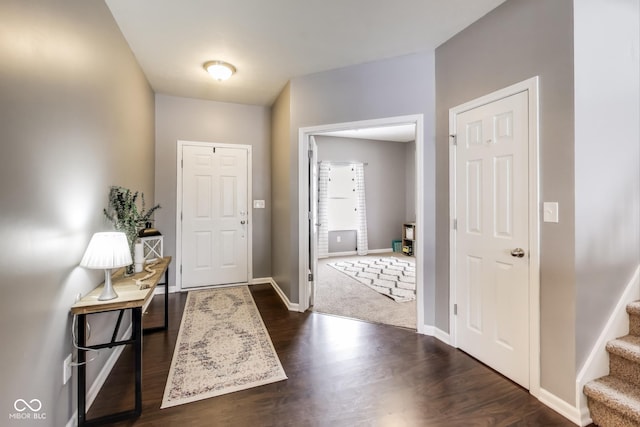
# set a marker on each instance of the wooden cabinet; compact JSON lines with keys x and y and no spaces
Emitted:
{"x":408,"y":237}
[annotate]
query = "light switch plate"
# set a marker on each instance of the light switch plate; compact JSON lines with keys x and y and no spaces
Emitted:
{"x":258,"y":204}
{"x":550,"y":212}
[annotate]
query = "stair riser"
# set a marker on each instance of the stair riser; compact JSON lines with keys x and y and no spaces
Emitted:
{"x":624,"y":369}
{"x":604,"y":416}
{"x":634,"y":324}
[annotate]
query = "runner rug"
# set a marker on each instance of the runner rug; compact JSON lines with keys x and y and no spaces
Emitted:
{"x":389,"y":276}
{"x":222,"y":347}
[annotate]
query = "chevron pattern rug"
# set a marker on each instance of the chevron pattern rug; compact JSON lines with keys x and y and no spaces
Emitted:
{"x":390,"y":276}
{"x":222,"y":347}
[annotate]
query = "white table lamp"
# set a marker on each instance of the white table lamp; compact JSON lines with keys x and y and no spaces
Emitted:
{"x":107,"y":250}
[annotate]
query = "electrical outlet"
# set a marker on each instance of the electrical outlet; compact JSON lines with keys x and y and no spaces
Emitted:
{"x":66,"y":369}
{"x":338,"y":238}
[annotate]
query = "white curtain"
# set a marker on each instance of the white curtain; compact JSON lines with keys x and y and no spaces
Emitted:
{"x":323,"y":210}
{"x":361,"y":233}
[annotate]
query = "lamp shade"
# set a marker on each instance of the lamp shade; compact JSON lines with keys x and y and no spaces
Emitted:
{"x":107,"y":250}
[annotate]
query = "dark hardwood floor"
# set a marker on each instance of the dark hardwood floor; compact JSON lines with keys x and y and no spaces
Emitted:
{"x":341,"y":372}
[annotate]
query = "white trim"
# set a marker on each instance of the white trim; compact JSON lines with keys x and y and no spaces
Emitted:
{"x":179,"y":146}
{"x":530,"y":85}
{"x":560,"y":406}
{"x":442,"y":336}
{"x":261,"y":281}
{"x":382,"y":251}
{"x":160,"y":291}
{"x":291,"y":306}
{"x":303,"y":192}
{"x":597,"y":364}
{"x":354,"y":253}
{"x":101,"y":378}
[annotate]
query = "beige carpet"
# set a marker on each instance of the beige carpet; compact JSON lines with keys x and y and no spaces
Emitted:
{"x":222,"y":347}
{"x":342,"y":295}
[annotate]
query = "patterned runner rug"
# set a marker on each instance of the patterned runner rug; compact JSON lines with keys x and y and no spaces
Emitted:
{"x":389,"y":276}
{"x":222,"y":347}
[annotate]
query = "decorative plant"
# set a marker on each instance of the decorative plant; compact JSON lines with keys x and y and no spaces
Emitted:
{"x":123,"y":212}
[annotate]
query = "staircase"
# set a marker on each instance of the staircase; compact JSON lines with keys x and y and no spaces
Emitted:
{"x":614,"y":400}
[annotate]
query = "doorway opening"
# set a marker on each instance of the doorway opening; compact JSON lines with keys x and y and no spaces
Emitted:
{"x":389,"y":152}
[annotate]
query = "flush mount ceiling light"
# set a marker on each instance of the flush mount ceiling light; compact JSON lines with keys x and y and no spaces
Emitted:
{"x":219,"y":70}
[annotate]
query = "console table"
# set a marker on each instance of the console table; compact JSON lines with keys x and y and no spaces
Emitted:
{"x":130,"y":297}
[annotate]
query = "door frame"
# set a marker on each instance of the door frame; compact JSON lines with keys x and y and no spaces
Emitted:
{"x":530,"y":86}
{"x":179,"y":146}
{"x":303,"y":195}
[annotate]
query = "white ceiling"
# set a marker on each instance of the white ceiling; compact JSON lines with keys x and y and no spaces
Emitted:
{"x":272,"y":41}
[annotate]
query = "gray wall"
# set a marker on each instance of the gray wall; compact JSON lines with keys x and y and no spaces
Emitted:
{"x":209,"y":121}
{"x":394,"y":87}
{"x":76,"y":116}
{"x":283,"y":263}
{"x":386,"y":192}
{"x":607,"y":172}
{"x":518,"y":40}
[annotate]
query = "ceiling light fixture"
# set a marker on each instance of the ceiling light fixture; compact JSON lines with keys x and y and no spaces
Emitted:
{"x":219,"y":70}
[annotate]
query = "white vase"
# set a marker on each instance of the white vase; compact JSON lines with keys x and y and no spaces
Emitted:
{"x":138,"y":258}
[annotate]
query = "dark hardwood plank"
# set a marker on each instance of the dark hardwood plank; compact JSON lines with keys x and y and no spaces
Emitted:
{"x":341,"y":372}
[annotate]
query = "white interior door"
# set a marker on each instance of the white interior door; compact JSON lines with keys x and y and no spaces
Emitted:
{"x":214,"y":215}
{"x":492,"y":237}
{"x":313,"y":219}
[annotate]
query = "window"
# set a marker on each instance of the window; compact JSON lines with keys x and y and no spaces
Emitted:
{"x":342,"y":203}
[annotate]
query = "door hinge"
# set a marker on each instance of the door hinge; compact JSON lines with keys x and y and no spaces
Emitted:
{"x":454,"y":139}
{"x":455,"y":309}
{"x":180,"y":216}
{"x":455,"y":223}
{"x":310,"y":154}
{"x":310,"y":277}
{"x":214,"y":150}
{"x":182,"y":163}
{"x":180,"y":268}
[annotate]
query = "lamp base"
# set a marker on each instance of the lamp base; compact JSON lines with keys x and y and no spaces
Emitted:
{"x":108,"y":293}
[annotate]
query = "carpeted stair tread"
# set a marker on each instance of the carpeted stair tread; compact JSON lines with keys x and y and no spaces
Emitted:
{"x":617,"y":395}
{"x":627,"y":347}
{"x":634,"y":308}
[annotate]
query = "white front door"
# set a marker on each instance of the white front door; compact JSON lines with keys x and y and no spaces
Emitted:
{"x":214,"y":215}
{"x":492,"y":237}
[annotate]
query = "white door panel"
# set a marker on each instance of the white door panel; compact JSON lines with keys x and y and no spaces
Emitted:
{"x":214,"y":216}
{"x":492,"y":285}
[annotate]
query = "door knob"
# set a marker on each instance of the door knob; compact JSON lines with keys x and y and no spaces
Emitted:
{"x":517,"y":252}
{"x":242,"y":222}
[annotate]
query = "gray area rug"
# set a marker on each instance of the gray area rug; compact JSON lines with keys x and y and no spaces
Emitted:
{"x":222,"y":347}
{"x":390,"y":276}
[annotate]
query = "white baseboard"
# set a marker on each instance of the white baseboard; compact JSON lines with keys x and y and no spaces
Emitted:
{"x":381,"y":251}
{"x":427,"y":330}
{"x":597,"y":364}
{"x":442,"y":336}
{"x":261,"y":280}
{"x":354,"y":253}
{"x":291,"y":306}
{"x":565,"y":409}
{"x":97,"y":384}
{"x":160,"y":290}
{"x":337,"y":254}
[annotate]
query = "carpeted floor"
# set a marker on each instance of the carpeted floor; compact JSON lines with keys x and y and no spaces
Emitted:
{"x":344,"y":296}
